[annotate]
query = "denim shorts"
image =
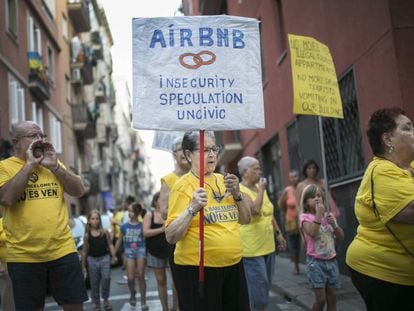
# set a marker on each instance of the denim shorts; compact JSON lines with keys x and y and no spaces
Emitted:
{"x":135,"y":253}
{"x":322,"y":273}
{"x":156,"y":262}
{"x":63,"y":276}
{"x":258,"y":271}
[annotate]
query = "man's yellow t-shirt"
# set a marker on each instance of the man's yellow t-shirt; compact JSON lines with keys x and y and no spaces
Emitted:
{"x":37,"y":224}
{"x":222,"y":243}
{"x":257,"y":236}
{"x":374,"y":251}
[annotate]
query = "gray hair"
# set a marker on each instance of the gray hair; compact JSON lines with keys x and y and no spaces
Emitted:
{"x":176,"y":144}
{"x":19,"y":129}
{"x":244,"y":163}
{"x":191,"y":139}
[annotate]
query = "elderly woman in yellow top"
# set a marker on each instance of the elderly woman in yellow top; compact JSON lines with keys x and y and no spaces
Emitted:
{"x":381,"y":257}
{"x":225,"y":208}
{"x":258,"y":236}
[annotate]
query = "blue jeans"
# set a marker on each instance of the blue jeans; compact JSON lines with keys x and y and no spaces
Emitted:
{"x":259,"y":272}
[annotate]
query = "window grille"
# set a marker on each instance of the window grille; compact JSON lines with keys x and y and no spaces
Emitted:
{"x":342,"y":137}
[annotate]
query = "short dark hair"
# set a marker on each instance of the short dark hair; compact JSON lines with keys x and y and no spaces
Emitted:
{"x":307,"y":164}
{"x":381,"y":121}
{"x":137,"y":208}
{"x":155,"y":198}
{"x":129,"y":199}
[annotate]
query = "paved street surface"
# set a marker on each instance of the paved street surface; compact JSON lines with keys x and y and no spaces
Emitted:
{"x":120,"y":296}
{"x":296,"y":288}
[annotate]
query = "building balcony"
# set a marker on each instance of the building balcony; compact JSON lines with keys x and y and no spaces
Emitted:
{"x":79,"y":14}
{"x":84,"y":123}
{"x":39,"y":85}
{"x":38,"y":80}
{"x":76,"y":73}
{"x":100,"y":93}
{"x":96,"y":44}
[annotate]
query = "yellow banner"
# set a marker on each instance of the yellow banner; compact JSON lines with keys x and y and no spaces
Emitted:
{"x":315,"y":85}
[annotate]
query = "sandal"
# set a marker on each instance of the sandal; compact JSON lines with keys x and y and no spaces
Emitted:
{"x":144,"y":308}
{"x":97,"y":307}
{"x":133,"y":300}
{"x":107,"y":306}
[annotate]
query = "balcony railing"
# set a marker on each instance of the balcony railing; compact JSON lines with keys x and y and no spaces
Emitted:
{"x":38,"y":80}
{"x":79,"y":13}
{"x":84,"y":123}
{"x":97,"y":46}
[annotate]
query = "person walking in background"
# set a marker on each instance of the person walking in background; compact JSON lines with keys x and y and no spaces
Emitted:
{"x":6,"y":289}
{"x":381,"y":256}
{"x":225,"y":208}
{"x":116,"y":221}
{"x":310,"y":172}
{"x":258,"y":236}
{"x":134,"y":245}
{"x":157,"y":248}
{"x":289,"y":206}
{"x":319,"y":229}
{"x":96,"y":251}
{"x":40,"y":247}
{"x":181,"y":167}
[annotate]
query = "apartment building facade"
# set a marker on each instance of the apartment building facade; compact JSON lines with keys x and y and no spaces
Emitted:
{"x":56,"y":69}
{"x":371,"y":42}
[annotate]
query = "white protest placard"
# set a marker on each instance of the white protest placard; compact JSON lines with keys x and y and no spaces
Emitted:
{"x":163,"y":140}
{"x":197,"y":72}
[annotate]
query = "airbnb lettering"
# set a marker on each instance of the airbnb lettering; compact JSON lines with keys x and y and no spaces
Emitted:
{"x":207,"y":37}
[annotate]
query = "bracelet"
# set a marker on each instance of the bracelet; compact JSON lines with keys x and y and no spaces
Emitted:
{"x":277,"y":232}
{"x":239,"y":197}
{"x":57,"y":168}
{"x":317,"y":222}
{"x":191,"y":211}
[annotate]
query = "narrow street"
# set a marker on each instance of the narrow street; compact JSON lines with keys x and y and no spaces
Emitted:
{"x":120,"y":296}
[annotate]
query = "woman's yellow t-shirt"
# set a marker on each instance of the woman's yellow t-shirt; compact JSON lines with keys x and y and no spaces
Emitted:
{"x":222,"y":243}
{"x":374,"y":251}
{"x":257,"y":236}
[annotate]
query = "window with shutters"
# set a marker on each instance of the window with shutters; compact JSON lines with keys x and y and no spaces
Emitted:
{"x":34,"y":37}
{"x":16,"y":101}
{"x":55,"y":127}
{"x":11,"y":17}
{"x":37,"y":114}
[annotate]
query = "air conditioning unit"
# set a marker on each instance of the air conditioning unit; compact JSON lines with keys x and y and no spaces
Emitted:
{"x":76,"y":75}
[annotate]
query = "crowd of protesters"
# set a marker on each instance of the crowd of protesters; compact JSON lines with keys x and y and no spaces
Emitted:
{"x":240,"y":233}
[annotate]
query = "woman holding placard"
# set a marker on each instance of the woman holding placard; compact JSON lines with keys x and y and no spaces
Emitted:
{"x":225,"y":208}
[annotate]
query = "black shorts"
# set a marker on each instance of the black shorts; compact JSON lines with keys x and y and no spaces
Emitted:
{"x":62,"y":276}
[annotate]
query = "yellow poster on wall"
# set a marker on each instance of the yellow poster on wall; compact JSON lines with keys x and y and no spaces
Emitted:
{"x":315,"y":85}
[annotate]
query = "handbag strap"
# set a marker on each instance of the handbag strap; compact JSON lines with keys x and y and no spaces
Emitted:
{"x":374,"y":206}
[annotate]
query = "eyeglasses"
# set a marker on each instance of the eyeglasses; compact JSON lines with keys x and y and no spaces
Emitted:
{"x":207,"y":150}
{"x":34,"y":136}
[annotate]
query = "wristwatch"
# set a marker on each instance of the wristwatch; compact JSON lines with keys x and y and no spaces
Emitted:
{"x":191,"y":211}
{"x":239,"y":197}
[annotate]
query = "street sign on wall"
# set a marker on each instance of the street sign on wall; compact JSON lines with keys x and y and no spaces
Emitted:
{"x":197,"y":72}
